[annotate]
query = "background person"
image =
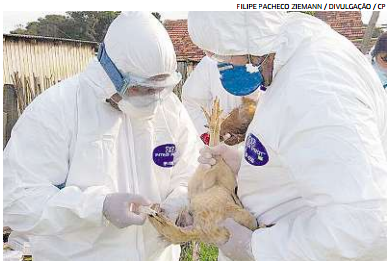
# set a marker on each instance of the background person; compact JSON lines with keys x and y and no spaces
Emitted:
{"x":200,"y":90}
{"x":379,"y":58}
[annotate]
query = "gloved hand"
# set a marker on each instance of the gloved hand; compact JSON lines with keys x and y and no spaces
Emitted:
{"x":117,"y":208}
{"x":231,"y":155}
{"x":238,"y":247}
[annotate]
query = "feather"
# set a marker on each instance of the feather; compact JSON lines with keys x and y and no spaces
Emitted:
{"x":237,"y":122}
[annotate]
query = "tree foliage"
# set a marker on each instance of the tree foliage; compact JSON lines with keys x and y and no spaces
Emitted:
{"x":81,"y":25}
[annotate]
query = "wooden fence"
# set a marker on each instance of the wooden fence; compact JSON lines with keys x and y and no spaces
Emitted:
{"x":44,"y":58}
{"x":185,"y":68}
{"x":32,"y":64}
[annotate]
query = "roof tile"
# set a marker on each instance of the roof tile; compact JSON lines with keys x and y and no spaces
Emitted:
{"x":183,"y":46}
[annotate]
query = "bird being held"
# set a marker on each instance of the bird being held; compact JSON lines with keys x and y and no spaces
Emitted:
{"x":212,"y":197}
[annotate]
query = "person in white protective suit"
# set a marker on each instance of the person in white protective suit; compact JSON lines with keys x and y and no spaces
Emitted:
{"x":200,"y":90}
{"x":313,"y":171}
{"x":96,"y":146}
{"x":378,"y":58}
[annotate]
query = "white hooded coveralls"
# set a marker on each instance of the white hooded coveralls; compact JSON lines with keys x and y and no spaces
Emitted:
{"x":70,"y":136}
{"x":314,"y":165}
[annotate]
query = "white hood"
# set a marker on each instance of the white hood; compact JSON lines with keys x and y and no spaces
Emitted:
{"x":138,"y":44}
{"x":256,"y":33}
{"x":236,"y":33}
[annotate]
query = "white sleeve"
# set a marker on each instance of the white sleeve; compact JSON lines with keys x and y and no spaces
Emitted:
{"x":339,"y":168}
{"x":36,"y":159}
{"x":188,"y":148}
{"x":196,"y":93}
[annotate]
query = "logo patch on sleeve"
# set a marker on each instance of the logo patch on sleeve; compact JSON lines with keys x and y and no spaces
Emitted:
{"x":255,"y":153}
{"x":163,"y":155}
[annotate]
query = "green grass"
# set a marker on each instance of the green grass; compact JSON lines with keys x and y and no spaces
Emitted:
{"x":206,"y":252}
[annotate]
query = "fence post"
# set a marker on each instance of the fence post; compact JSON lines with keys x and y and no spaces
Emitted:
{"x":369,"y":31}
{"x":11,"y":111}
{"x":4,"y":129}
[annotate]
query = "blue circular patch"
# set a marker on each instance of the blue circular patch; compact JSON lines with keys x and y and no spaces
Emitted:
{"x":163,"y":155}
{"x":255,"y":152}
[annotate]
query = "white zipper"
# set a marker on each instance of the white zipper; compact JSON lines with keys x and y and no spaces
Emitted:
{"x":132,"y":155}
{"x":135,"y":187}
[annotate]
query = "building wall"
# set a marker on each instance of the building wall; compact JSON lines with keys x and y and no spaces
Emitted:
{"x":32,"y":64}
{"x":49,"y":61}
{"x":347,"y":23}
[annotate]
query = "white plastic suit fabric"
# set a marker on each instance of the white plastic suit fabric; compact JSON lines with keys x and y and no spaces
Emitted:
{"x":200,"y":90}
{"x":132,"y":36}
{"x":245,"y":33}
{"x":70,"y":136}
{"x":314,"y":164}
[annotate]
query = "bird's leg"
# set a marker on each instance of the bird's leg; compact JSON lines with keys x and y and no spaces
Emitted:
{"x":215,"y":122}
{"x":207,"y":115}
